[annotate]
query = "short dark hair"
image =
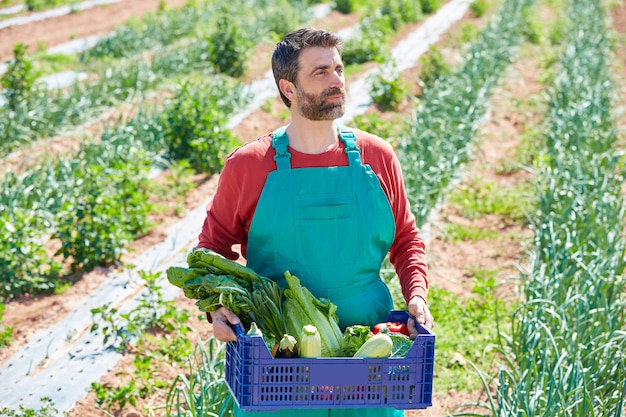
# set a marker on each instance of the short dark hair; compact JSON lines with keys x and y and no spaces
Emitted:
{"x":285,"y":64}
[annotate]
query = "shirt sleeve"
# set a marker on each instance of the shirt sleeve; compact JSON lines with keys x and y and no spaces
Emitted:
{"x":408,"y":250}
{"x":223,"y":226}
{"x":230,"y":211}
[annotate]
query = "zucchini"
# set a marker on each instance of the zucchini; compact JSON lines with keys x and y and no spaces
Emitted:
{"x":377,"y":346}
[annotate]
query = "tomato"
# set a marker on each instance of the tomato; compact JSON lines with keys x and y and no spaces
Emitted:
{"x":391,"y":326}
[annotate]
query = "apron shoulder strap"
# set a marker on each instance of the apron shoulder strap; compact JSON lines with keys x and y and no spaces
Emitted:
{"x":349,"y":139}
{"x":280,"y":142}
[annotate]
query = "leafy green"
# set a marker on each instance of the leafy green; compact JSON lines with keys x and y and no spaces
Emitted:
{"x":353,"y":338}
{"x":302,"y":308}
{"x":401,"y":344}
{"x":216,"y":281}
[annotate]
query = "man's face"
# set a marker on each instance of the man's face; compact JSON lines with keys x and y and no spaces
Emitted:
{"x":320,"y":87}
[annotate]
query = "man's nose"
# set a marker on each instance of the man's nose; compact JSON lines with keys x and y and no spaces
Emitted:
{"x":338,"y":80}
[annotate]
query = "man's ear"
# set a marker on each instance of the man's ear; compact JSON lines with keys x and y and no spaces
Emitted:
{"x":287,"y":88}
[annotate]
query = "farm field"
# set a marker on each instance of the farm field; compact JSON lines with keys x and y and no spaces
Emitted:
{"x":493,"y":123}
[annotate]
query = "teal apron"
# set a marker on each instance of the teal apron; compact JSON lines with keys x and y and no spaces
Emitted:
{"x":331,"y":227}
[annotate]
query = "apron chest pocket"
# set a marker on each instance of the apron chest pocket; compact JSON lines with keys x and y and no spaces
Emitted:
{"x":326,"y":229}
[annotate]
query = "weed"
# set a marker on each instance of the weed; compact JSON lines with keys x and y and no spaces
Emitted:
{"x":459,"y":233}
{"x":476,"y":197}
{"x":47,"y":410}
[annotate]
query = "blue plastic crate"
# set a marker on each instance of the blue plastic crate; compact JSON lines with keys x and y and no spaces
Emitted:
{"x":260,"y":382}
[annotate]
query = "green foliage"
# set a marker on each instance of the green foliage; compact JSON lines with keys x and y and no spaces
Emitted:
{"x":469,"y":32}
{"x":47,"y":410}
{"x":34,"y":5}
{"x":194,"y":126}
{"x":434,"y":66}
{"x":476,"y":197}
{"x":25,"y":265}
{"x":466,"y":329}
{"x":458,"y":233}
{"x":346,"y":6}
{"x":373,"y":122}
{"x":203,"y":390}
{"x":120,"y":330}
{"x":430,"y":6}
{"x":160,"y":331}
{"x":110,"y":212}
{"x":107,"y":397}
{"x":387,"y":88}
{"x":228,"y":47}
{"x":369,"y":43}
{"x":5,"y":331}
{"x":18,"y":79}
{"x":401,"y":12}
{"x":437,"y":140}
{"x":479,"y":7}
{"x":533,"y":27}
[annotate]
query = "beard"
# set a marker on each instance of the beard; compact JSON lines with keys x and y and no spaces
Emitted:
{"x":316,"y":108}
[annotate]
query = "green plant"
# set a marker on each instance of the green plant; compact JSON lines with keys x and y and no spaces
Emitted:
{"x":19,"y":78}
{"x":400,"y":12}
{"x":387,"y":89}
{"x":430,"y":6}
{"x":479,"y":7}
{"x":466,"y":330}
{"x":370,"y":42}
{"x":458,"y":233}
{"x":107,"y":397}
{"x":228,"y":47}
{"x":202,"y":391}
{"x":533,"y":29}
{"x":34,"y":5}
{"x":434,"y":66}
{"x":5,"y":331}
{"x":346,"y":6}
{"x":111,"y":211}
{"x":47,"y":410}
{"x":469,"y":32}
{"x":476,"y":197}
{"x":388,"y":129}
{"x":152,"y":313}
{"x":194,"y":126}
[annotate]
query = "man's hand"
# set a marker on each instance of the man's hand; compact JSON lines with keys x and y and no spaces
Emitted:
{"x":417,"y":308}
{"x":223,"y":320}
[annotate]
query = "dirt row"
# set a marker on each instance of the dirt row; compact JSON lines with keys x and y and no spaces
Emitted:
{"x":98,"y":20}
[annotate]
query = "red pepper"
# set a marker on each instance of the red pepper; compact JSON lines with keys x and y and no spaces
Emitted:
{"x":391,"y":326}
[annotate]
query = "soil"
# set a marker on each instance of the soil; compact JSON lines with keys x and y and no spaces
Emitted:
{"x":448,"y":261}
{"x":98,"y":20}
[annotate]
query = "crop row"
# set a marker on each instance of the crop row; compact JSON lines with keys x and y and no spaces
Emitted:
{"x":33,"y":112}
{"x":566,"y":347}
{"x":203,"y":390}
{"x":439,"y":138}
{"x":81,"y":210}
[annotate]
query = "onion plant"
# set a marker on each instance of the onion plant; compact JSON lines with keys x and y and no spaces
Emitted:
{"x":566,"y":347}
{"x":203,"y":392}
{"x":438,"y":138}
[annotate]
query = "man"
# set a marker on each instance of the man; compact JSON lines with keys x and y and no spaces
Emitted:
{"x":325,"y":202}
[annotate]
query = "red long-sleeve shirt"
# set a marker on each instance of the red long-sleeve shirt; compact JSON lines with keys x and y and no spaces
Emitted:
{"x":230,"y":211}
